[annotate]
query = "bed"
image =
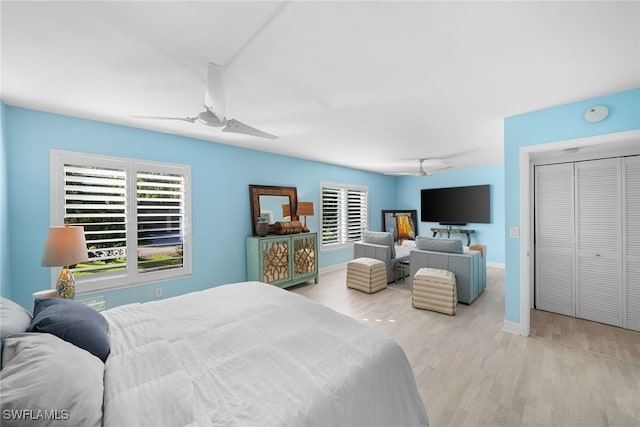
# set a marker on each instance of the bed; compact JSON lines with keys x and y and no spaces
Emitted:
{"x":244,"y":354}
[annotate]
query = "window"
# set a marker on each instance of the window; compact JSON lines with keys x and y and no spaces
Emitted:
{"x":135,"y":214}
{"x":344,"y":214}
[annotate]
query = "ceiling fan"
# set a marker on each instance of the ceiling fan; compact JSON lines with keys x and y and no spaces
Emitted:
{"x":214,"y":104}
{"x":421,"y":170}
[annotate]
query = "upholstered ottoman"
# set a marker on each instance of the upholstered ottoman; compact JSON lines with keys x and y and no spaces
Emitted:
{"x":434,"y":289}
{"x":367,"y":275}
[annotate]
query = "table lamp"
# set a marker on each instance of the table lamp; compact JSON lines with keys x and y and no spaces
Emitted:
{"x":65,"y":246}
{"x":305,"y":209}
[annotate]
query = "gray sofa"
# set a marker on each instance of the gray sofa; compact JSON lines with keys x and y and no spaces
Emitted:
{"x":380,"y":245}
{"x":469,"y":267}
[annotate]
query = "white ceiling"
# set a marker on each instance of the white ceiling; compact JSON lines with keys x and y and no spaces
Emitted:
{"x":369,"y":85}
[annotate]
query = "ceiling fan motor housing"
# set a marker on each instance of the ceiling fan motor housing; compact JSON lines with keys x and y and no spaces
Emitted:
{"x":210,"y":119}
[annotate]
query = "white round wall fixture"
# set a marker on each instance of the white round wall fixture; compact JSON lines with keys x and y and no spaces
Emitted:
{"x":596,"y":114}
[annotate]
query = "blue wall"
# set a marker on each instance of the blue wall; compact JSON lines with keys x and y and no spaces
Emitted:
{"x":221,"y":175}
{"x":491,"y":235}
{"x":545,"y":126}
{"x":221,"y":211}
{"x":4,"y":215}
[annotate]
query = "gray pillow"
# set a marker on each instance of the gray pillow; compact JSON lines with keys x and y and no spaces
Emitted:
{"x":439,"y":245}
{"x":380,"y":238}
{"x":13,"y":320}
{"x":47,"y":376}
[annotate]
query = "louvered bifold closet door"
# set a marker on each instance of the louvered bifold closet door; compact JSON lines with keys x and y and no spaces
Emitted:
{"x":554,"y":246}
{"x":631,"y":227}
{"x":599,"y":241}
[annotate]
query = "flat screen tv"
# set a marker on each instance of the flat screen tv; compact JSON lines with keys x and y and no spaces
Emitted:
{"x":456,"y":205}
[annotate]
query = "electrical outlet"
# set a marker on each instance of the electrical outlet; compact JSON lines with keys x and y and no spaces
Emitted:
{"x":158,"y":292}
{"x":514,"y":232}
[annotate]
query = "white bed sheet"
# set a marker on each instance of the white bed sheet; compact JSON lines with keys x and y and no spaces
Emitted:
{"x":251,"y":354}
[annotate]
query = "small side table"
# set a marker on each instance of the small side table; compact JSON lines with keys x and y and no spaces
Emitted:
{"x":402,"y":269}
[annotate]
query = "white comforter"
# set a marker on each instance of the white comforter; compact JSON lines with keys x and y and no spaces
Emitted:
{"x":251,"y":354}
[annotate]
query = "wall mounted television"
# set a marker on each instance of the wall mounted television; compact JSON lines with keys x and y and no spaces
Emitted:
{"x":456,"y":205}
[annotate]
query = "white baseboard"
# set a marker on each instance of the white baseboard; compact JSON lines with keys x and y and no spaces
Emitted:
{"x":511,"y":327}
{"x":496,"y":264}
{"x":332,"y":268}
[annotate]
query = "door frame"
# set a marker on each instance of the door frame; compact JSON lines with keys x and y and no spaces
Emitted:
{"x":589,"y":148}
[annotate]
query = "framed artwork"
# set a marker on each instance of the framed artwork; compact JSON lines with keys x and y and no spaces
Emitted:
{"x":402,"y":224}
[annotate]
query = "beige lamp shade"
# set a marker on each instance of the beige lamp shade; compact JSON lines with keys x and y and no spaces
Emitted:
{"x":65,"y":246}
{"x":305,"y":209}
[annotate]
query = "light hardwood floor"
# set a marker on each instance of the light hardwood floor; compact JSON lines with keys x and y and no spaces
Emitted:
{"x":618,"y":343}
{"x":471,"y":373}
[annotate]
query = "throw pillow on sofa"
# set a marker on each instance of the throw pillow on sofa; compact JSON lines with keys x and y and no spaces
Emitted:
{"x":453,"y":246}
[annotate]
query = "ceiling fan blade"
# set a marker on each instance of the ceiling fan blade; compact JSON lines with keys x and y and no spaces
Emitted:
{"x":421,"y":171}
{"x":431,"y":171}
{"x":183,"y":119}
{"x":399,"y":173}
{"x":214,"y":94}
{"x":238,"y":127}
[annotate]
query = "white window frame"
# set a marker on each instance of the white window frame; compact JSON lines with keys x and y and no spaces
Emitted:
{"x":343,"y":239}
{"x":131,"y":276}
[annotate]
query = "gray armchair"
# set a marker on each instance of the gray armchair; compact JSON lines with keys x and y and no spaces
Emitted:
{"x":380,"y":245}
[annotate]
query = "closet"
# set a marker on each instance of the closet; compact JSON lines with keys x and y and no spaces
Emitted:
{"x":587,"y":240}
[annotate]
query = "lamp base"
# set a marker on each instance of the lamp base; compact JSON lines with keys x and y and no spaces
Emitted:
{"x":66,"y":286}
{"x":305,"y":229}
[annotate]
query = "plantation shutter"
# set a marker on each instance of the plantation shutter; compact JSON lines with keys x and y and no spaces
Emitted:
{"x":135,"y":214}
{"x":331,"y":202}
{"x":95,"y":198}
{"x":160,"y":219}
{"x":344,"y":214}
{"x":357,"y":214}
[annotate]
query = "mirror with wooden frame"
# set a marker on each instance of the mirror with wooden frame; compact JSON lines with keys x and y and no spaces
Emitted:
{"x":274,"y":203}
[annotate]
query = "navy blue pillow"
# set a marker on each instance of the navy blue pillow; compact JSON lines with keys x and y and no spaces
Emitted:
{"x":73,"y":322}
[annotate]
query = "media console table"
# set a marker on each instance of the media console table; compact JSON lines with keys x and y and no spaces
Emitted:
{"x":451,"y":231}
